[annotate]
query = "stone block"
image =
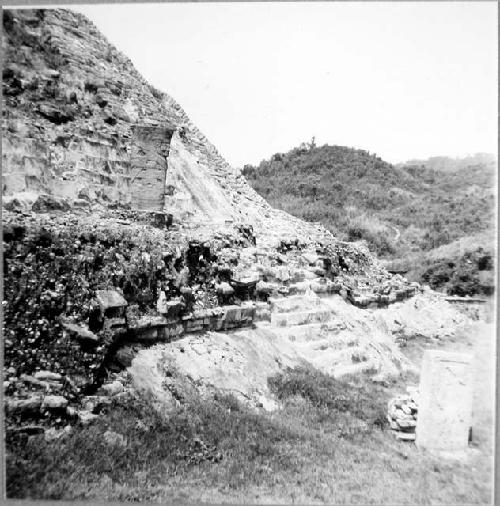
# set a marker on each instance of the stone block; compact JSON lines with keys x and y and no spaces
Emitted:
{"x":232,"y":314}
{"x":400,"y":295}
{"x":111,"y":302}
{"x":248,"y":312}
{"x":47,"y":376}
{"x":445,"y":401}
{"x":113,"y":388}
{"x":300,"y":317}
{"x":310,"y":258}
{"x":193,"y":326}
{"x":31,"y":405}
{"x":54,"y":402}
{"x":169,"y":308}
{"x":81,"y":333}
{"x":146,"y":334}
{"x":225,"y":288}
{"x":114,"y":323}
{"x":170,"y":331}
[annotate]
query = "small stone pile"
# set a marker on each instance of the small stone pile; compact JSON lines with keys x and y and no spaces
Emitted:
{"x":402,"y":414}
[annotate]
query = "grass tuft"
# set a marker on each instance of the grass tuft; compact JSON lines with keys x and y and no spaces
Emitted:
{"x":352,"y":396}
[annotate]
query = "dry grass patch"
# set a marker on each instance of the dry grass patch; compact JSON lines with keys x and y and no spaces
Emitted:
{"x":327,"y":443}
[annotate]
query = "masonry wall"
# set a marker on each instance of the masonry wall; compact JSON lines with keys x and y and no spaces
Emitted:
{"x":78,"y":121}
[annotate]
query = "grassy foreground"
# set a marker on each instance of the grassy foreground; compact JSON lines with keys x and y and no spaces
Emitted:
{"x":328,"y":443}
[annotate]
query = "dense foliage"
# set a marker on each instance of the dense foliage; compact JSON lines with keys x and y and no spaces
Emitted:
{"x":469,"y":274}
{"x":358,"y":196}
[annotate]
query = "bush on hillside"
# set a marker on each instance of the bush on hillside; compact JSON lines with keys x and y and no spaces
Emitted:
{"x":322,"y":183}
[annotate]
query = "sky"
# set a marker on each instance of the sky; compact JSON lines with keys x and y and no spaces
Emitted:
{"x":403,"y":80}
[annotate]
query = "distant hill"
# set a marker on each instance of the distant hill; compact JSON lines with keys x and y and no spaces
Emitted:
{"x":446,"y":163}
{"x":397,"y":209}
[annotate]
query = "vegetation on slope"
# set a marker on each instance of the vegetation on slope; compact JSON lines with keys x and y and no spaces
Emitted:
{"x":397,"y":210}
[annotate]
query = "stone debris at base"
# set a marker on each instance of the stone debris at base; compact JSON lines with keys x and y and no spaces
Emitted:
{"x":402,"y":413}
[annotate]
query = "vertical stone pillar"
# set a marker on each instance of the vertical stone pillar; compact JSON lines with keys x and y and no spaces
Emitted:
{"x":445,"y":401}
{"x":148,"y":160}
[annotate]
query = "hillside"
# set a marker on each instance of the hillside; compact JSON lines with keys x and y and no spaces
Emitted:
{"x":446,"y":163}
{"x":168,"y":334}
{"x":397,"y":210}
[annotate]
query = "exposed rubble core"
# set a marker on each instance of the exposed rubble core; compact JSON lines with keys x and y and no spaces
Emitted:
{"x":124,"y":228}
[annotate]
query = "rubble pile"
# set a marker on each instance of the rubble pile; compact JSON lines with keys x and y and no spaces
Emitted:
{"x":78,"y":286}
{"x":402,"y":413}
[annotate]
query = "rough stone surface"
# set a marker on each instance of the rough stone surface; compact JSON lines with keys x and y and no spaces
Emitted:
{"x":113,"y":388}
{"x":47,"y":375}
{"x":54,"y":402}
{"x":445,"y":401}
{"x":110,"y":299}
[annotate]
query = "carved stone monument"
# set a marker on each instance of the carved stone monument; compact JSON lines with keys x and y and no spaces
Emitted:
{"x":445,"y":404}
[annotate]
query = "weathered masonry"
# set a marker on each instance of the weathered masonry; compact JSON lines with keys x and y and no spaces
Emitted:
{"x":150,"y":149}
{"x":129,"y":166}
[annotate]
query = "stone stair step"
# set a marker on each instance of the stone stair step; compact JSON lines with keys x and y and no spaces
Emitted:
{"x":294,"y":303}
{"x":343,"y":355}
{"x":311,"y":331}
{"x":318,"y":286}
{"x":357,"y":368}
{"x":301,"y":317}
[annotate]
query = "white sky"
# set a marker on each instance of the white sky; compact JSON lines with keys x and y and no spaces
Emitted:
{"x":404,"y":80}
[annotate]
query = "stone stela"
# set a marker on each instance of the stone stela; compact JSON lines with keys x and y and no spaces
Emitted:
{"x":445,"y":406}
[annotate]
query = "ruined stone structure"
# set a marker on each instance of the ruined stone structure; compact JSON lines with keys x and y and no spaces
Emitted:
{"x":80,"y":122}
{"x":83,"y":133}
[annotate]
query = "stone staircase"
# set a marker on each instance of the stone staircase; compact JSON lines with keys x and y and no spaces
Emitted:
{"x":301,"y":271}
{"x":321,"y":335}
